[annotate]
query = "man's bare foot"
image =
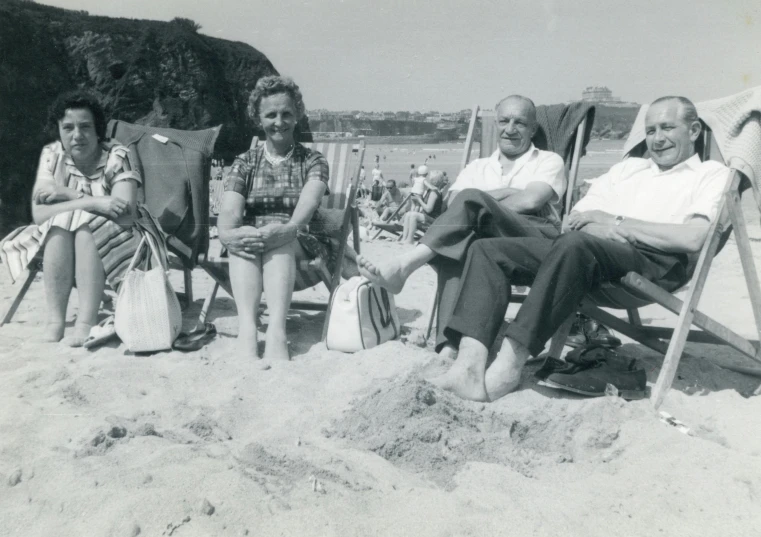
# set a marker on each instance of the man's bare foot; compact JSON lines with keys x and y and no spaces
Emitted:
{"x":276,"y":348}
{"x":464,"y":382}
{"x":388,"y":275}
{"x":78,"y":337}
{"x":449,"y":352}
{"x":465,"y":378}
{"x":53,"y":332}
{"x":504,"y":374}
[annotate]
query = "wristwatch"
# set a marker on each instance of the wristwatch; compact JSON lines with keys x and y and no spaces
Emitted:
{"x":619,"y":219}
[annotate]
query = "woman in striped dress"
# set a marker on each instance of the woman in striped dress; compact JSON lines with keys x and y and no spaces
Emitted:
{"x":85,"y":204}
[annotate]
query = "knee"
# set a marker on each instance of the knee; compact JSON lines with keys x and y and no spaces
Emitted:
{"x":571,"y":244}
{"x":469,"y":195}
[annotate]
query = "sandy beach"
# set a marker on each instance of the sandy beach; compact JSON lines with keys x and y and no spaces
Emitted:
{"x":106,"y":443}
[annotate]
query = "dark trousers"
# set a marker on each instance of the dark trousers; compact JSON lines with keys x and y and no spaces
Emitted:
{"x":473,"y":215}
{"x":560,"y":272}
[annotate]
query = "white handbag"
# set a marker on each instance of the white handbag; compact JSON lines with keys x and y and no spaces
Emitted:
{"x":148,"y":315}
{"x":361,"y":316}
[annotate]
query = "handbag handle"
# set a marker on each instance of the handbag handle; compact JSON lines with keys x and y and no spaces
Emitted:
{"x":147,"y":239}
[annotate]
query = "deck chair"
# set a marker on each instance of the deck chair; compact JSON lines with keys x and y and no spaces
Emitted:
{"x":563,"y":129}
{"x":634,"y":291}
{"x":345,"y":161}
{"x":174,"y":165}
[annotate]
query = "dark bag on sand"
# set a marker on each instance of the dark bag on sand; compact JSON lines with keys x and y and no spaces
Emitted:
{"x":376,"y":193}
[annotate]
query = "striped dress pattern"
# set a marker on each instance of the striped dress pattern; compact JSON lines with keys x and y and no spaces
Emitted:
{"x":116,"y":244}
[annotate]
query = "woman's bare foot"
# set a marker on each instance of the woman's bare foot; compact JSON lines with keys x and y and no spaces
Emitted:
{"x":276,"y":348}
{"x":78,"y":337}
{"x":53,"y":332}
{"x":247,"y":343}
{"x":465,"y":378}
{"x":504,"y":374}
{"x":388,"y":275}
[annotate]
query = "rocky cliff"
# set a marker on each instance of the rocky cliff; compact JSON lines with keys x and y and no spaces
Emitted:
{"x":148,"y":72}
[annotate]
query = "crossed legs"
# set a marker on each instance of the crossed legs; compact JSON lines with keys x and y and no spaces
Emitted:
{"x":275,"y":271}
{"x":560,"y":273}
{"x":69,"y":255}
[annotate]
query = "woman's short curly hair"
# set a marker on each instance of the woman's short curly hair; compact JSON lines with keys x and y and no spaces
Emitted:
{"x":77,"y":99}
{"x":275,"y":85}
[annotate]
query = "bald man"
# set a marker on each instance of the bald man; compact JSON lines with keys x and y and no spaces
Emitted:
{"x":516,"y":192}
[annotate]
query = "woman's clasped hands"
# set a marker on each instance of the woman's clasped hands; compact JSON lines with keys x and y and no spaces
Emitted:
{"x":250,"y":242}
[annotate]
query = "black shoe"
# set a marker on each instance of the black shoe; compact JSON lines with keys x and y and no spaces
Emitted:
{"x":586,"y":331}
{"x":196,"y":339}
{"x":618,"y":376}
{"x":577,"y":360}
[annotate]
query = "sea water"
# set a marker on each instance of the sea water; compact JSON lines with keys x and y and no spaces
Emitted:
{"x":396,"y":161}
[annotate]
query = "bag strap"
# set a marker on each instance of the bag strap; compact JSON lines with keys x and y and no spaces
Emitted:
{"x":158,"y":254}
{"x":136,"y":257}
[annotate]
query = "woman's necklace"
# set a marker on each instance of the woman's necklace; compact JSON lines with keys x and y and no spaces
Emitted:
{"x":275,"y":160}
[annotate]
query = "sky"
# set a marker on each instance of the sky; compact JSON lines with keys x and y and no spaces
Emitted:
{"x":449,"y":55}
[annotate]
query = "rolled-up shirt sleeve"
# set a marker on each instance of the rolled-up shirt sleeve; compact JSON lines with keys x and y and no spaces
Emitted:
{"x":551,"y":170}
{"x":708,"y":193}
{"x":466,"y":178}
{"x":121,"y":166}
{"x":597,"y":197}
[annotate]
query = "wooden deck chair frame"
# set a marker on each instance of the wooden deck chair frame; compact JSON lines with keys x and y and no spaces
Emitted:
{"x":572,"y":172}
{"x":217,"y":268}
{"x":634,"y":291}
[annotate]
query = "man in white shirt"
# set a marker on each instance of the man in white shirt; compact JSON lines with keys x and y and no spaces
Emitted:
{"x":644,"y":215}
{"x":516,"y":192}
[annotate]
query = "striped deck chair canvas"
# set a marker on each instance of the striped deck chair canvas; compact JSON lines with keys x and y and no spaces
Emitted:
{"x":338,"y":211}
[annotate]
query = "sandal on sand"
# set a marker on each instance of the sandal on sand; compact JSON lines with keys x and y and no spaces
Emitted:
{"x":196,"y":339}
{"x":100,"y":333}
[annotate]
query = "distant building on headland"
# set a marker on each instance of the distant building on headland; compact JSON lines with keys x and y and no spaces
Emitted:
{"x":599,"y":94}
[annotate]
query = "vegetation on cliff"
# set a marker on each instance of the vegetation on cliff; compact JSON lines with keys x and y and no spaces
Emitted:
{"x":149,"y":72}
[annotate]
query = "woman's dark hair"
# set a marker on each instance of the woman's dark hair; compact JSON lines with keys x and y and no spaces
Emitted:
{"x":275,"y":85}
{"x":77,"y":99}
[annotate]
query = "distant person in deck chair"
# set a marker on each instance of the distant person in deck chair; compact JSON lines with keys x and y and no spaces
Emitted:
{"x":516,"y":192}
{"x":645,"y":215}
{"x":390,"y":201}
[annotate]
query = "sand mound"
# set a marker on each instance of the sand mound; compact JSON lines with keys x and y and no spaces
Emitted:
{"x":409,"y":423}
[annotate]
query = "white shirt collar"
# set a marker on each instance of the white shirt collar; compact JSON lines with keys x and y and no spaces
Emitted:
{"x":519,"y":162}
{"x":693,"y":162}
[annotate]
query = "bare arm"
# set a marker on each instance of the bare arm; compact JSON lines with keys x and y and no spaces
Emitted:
{"x":240,"y":240}
{"x":531,"y":199}
{"x":677,"y":238}
{"x":49,"y":200}
{"x":429,"y":205}
{"x":502,"y":193}
{"x":309,"y":201}
{"x":126,"y":190}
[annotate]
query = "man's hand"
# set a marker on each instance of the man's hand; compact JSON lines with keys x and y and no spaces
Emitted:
{"x":108,"y":206}
{"x":50,"y":193}
{"x":245,"y":242}
{"x":577,"y":220}
{"x":276,"y":235}
{"x":611,"y":233}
